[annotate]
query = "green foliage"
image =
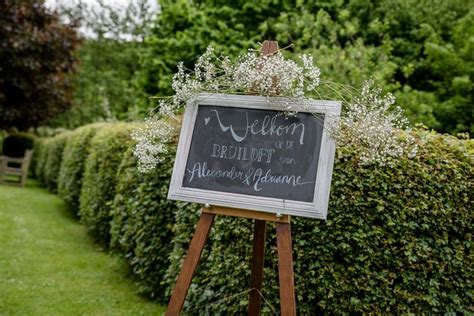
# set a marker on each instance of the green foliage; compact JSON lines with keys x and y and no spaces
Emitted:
{"x":37,"y":57}
{"x":73,"y":164}
{"x":186,"y":218}
{"x":100,"y":178}
{"x":224,"y":270}
{"x":397,"y":240}
{"x":40,"y":156}
{"x":184,"y":29}
{"x":3,"y":134}
{"x":15,"y":145}
{"x":109,"y":59}
{"x":105,"y":86}
{"x":54,"y":156}
{"x":419,"y":49}
{"x":142,"y":222}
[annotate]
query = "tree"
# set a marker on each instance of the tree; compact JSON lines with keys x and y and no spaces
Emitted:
{"x":37,"y":58}
{"x":105,"y":86}
{"x":185,"y":28}
{"x":421,"y":50}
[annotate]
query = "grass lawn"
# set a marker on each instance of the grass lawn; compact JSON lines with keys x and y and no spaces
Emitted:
{"x":49,"y":266}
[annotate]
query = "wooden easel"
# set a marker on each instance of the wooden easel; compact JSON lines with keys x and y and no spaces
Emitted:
{"x":285,"y":260}
{"x":284,"y":246}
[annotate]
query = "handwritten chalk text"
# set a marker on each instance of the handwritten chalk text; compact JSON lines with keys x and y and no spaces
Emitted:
{"x":242,"y":153}
{"x":267,"y":126}
{"x":254,"y":177}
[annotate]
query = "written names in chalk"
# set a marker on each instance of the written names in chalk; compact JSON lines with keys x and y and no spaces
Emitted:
{"x":255,"y":178}
{"x":255,"y":152}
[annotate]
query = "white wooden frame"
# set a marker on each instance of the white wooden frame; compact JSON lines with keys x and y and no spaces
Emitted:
{"x":315,"y":209}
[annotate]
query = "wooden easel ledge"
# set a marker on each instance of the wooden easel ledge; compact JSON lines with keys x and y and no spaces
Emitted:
{"x":237,"y":212}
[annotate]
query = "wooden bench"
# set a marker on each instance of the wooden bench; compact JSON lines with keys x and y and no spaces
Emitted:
{"x":15,"y":167}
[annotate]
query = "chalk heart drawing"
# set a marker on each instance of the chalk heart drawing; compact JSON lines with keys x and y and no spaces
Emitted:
{"x":206,"y":120}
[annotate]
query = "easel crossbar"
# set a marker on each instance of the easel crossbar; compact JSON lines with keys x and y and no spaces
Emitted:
{"x":236,"y":212}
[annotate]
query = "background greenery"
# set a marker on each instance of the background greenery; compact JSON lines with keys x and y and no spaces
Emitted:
{"x":143,"y":221}
{"x":421,"y":50}
{"x":53,"y":162}
{"x":398,"y":239}
{"x":106,"y":82}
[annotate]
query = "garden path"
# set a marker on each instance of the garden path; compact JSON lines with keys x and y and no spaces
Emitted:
{"x":49,"y":266}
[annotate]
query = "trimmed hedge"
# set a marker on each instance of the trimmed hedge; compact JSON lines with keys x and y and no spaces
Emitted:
{"x":40,"y":156}
{"x":100,"y":178}
{"x":142,"y":222}
{"x":73,"y":165}
{"x":3,"y":134}
{"x":397,"y":240}
{"x":54,"y":157}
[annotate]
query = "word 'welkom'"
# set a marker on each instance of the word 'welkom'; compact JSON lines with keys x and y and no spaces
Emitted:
{"x":265,"y":126}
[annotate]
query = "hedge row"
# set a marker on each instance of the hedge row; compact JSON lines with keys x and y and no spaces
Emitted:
{"x":100,"y":178}
{"x":73,"y":163}
{"x":397,"y":239}
{"x":124,"y":210}
{"x":53,"y":163}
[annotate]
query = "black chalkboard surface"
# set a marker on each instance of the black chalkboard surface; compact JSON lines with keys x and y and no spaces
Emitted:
{"x":242,"y":152}
{"x":255,"y":152}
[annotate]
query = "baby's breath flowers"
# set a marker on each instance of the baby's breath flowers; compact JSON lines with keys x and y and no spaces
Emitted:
{"x":375,"y":129}
{"x":151,"y":142}
{"x":273,"y":75}
{"x":368,"y":122}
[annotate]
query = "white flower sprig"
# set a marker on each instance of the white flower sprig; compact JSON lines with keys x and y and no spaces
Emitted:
{"x":273,"y":75}
{"x":151,"y":142}
{"x":375,"y":129}
{"x":368,"y":122}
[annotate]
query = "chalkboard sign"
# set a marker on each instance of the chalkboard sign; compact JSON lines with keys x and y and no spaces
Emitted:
{"x":242,"y":151}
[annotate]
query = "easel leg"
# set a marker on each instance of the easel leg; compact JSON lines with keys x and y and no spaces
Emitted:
{"x":190,"y":263}
{"x":258,"y":256}
{"x":285,"y":269}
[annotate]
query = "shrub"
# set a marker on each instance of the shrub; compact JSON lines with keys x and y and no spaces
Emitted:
{"x":397,"y":240}
{"x":55,"y":149}
{"x":3,"y":134}
{"x":99,"y":180}
{"x":40,"y":156}
{"x":15,"y":145}
{"x":142,"y":222}
{"x":72,"y":165}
